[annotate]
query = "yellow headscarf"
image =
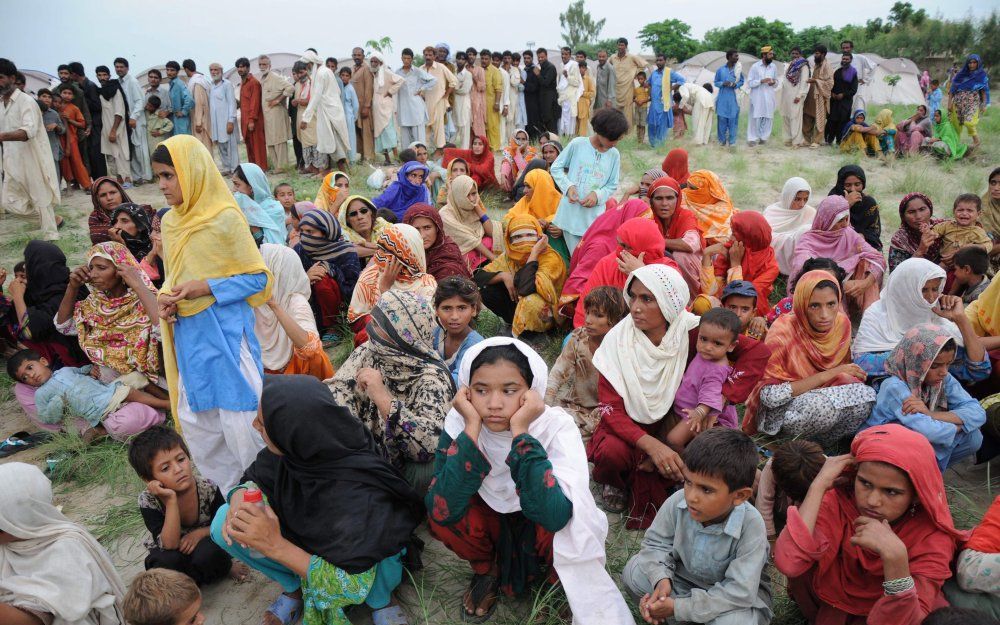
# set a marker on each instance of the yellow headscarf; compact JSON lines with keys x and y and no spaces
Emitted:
{"x":544,"y":200}
{"x":206,"y":236}
{"x":884,"y":120}
{"x":327,"y":193}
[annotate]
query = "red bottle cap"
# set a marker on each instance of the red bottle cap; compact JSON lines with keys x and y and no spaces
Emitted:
{"x":253,"y":495}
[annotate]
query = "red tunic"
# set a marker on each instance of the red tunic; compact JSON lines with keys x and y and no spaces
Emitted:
{"x":251,"y":112}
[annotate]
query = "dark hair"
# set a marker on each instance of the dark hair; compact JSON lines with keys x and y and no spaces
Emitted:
{"x":102,"y":69}
{"x":485,"y":52}
{"x":407,"y":155}
{"x":331,"y":58}
{"x":43,"y":91}
{"x":608,"y":301}
{"x":238,"y":172}
{"x":7,"y":67}
{"x":830,"y":284}
{"x":283,"y":184}
{"x":622,"y":40}
{"x":387,"y":214}
{"x":174,"y":65}
{"x":661,"y":55}
{"x":344,"y":70}
{"x":796,"y":49}
{"x":161,"y":155}
{"x":461,"y":56}
{"x":299,"y":66}
{"x":824,"y":264}
{"x":541,"y":50}
{"x":144,"y":447}
{"x":723,"y":318}
{"x":968,"y":198}
{"x":677,"y":97}
{"x":471,"y":50}
{"x":609,"y":123}
{"x":496,"y":56}
{"x":732,"y":51}
{"x":847,"y":54}
{"x":640,"y":73}
{"x":820,"y":48}
{"x":585,"y":55}
{"x":974,"y":257}
{"x":243,"y":62}
{"x":406,"y":52}
{"x":528,"y":53}
{"x":19,"y":358}
{"x":457,"y":286}
{"x":19,"y":266}
{"x":62,"y":67}
{"x":566,"y":49}
{"x":849,"y":42}
{"x":993,"y":174}
{"x":795,"y":465}
{"x":724,"y":453}
{"x":154,"y":100}
{"x":20,"y":78}
{"x":958,"y":616}
{"x":121,"y":61}
{"x":935,"y":81}
{"x":189,"y":65}
{"x":708,"y":87}
{"x":76,"y":67}
{"x":509,"y":353}
{"x":949,"y":346}
{"x":155,"y":72}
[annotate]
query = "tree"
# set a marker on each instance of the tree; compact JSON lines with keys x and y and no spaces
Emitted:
{"x":608,"y":45}
{"x":902,"y":13}
{"x":579,"y":28}
{"x":807,"y":38}
{"x":670,"y":37}
{"x":383,"y":45}
{"x":751,"y":35}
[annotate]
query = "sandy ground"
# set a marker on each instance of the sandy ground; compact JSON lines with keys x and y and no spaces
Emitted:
{"x":754,"y":178}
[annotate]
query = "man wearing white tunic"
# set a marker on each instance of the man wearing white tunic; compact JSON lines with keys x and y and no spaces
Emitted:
{"x":461,"y":112}
{"x":222,"y":106}
{"x":793,"y":98}
{"x":504,"y":100}
{"x":436,"y":98}
{"x":141,"y":169}
{"x":568,"y":86}
{"x":513,"y":97}
{"x":411,"y":106}
{"x":114,"y":127}
{"x":762,"y":82}
{"x":275,"y":91}
{"x":865,"y":69}
{"x":30,"y":184}
{"x":199,"y":86}
{"x":702,"y":106}
{"x":326,"y":106}
{"x":386,"y":86}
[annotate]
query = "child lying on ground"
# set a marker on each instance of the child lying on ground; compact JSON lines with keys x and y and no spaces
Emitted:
{"x":163,"y":597}
{"x":118,"y":408}
{"x":702,"y":560}
{"x":177,"y":508}
{"x":785,"y":481}
{"x":573,"y":379}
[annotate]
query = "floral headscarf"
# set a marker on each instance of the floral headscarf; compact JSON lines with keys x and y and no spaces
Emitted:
{"x":911,"y":360}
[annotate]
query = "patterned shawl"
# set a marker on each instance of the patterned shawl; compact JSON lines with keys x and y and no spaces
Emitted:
{"x":707,"y":197}
{"x":402,"y":242}
{"x":911,"y":360}
{"x":907,"y":238}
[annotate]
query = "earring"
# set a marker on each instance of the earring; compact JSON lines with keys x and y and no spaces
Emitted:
{"x":913,"y":509}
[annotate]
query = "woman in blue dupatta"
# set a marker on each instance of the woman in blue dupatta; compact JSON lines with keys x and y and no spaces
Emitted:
{"x":408,"y":189}
{"x":250,"y":180}
{"x":858,"y":134}
{"x":969,"y":94}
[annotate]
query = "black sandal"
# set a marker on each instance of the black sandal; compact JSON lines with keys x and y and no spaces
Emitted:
{"x":479,"y":589}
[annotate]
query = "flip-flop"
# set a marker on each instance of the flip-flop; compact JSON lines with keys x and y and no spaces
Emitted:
{"x":20,"y":441}
{"x":481,"y":586}
{"x":286,"y":609}
{"x":390,"y":615}
{"x":613,"y":500}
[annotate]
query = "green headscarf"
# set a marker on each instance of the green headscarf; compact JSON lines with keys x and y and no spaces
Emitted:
{"x":944,"y":131}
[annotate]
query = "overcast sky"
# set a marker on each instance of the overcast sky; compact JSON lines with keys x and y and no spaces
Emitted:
{"x":41,"y":35}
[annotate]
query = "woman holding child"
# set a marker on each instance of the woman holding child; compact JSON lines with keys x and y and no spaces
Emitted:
{"x":916,"y":237}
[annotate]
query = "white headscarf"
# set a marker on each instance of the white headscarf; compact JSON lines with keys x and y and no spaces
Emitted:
{"x":788,"y":225}
{"x":578,"y":548}
{"x":56,"y":567}
{"x":647,"y":375}
{"x":900,"y":308}
{"x":380,"y":74}
{"x":291,"y":292}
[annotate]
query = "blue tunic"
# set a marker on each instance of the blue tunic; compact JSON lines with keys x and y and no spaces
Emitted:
{"x":580,"y":165}
{"x":658,"y":120}
{"x":180,"y":100}
{"x":208,"y":346}
{"x":726,"y":104}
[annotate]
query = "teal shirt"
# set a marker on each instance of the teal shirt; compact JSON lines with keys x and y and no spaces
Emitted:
{"x":583,"y":167}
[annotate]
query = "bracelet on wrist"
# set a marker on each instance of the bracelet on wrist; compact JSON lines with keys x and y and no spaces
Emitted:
{"x":898,"y":586}
{"x":484,"y":218}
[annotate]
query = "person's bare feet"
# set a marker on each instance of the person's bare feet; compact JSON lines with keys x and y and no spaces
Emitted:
{"x":487,"y":588}
{"x":94,"y":433}
{"x":240,"y":572}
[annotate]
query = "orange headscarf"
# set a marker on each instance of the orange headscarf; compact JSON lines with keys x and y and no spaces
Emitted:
{"x":799,"y":351}
{"x":707,"y":197}
{"x":759,"y":264}
{"x":326,"y":197}
{"x":544,"y":199}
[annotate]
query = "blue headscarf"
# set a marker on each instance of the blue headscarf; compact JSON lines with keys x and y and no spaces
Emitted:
{"x":970,"y":80}
{"x":255,"y":217}
{"x":273,"y":210}
{"x":847,"y":127}
{"x":402,"y":194}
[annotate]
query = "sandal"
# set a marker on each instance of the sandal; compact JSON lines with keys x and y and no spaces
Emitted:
{"x":286,"y":609}
{"x":480,"y":588}
{"x":389,"y":615}
{"x":329,"y":339}
{"x":19,"y":441}
{"x":613,"y":500}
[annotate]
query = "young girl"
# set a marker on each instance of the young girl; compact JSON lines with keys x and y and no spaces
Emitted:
{"x":922,"y":395}
{"x":573,"y":379}
{"x":457,"y":303}
{"x":587,"y":172}
{"x":785,"y":480}
{"x":458,"y":167}
{"x":408,"y":189}
{"x":215,"y":277}
{"x":511,"y":490}
{"x":336,"y":187}
{"x":699,"y":404}
{"x":251,"y":180}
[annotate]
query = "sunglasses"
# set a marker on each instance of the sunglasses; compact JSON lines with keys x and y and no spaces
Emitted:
{"x":360,"y":211}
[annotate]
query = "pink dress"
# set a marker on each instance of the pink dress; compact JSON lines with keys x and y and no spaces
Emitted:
{"x":702,"y":384}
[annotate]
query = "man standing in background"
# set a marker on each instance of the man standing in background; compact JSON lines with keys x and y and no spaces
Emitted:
{"x":817,"y":105}
{"x":763,"y":81}
{"x":181,"y":101}
{"x":201,"y":119}
{"x":793,"y":98}
{"x":363,"y":82}
{"x":66,"y":82}
{"x":222,"y":105}
{"x":91,"y":149}
{"x":626,"y":66}
{"x":461,"y":113}
{"x":141,"y":169}
{"x":252,"y":114}
{"x":155,"y":86}
{"x":728,"y":79}
{"x":864,"y":68}
{"x":275,"y":91}
{"x":604,"y":77}
{"x":494,"y":97}
{"x":436,"y":97}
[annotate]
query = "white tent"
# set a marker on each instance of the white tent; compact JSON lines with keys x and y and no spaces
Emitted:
{"x":36,"y":79}
{"x":701,"y":67}
{"x":905,"y":91}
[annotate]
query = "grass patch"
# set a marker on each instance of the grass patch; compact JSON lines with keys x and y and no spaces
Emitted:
{"x":116,"y":522}
{"x":6,"y":387}
{"x":103,"y":462}
{"x":339,"y":353}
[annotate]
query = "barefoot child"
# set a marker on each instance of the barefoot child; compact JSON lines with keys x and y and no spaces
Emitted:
{"x":163,"y":597}
{"x":177,"y":508}
{"x":573,"y":379}
{"x":640,"y":100}
{"x":699,"y":404}
{"x":457,"y":303}
{"x":702,"y":560}
{"x":511,"y":490}
{"x":118,"y":408}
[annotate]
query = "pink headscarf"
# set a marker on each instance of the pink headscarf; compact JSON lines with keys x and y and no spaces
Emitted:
{"x":845,"y":246}
{"x":600,"y":239}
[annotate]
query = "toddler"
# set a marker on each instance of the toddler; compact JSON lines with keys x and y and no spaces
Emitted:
{"x":457,"y":302}
{"x":641,"y":99}
{"x":699,"y":404}
{"x":573,"y":379}
{"x":119,"y":408}
{"x":163,"y":597}
{"x":177,"y":507}
{"x":702,"y":560}
{"x":785,"y":481}
{"x":963,"y":230}
{"x":969,"y":274}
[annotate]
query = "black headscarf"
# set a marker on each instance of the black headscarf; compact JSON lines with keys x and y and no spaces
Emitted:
{"x":108,"y":91}
{"x":48,"y":275}
{"x":141,"y":244}
{"x":864,"y":213}
{"x":335,"y":495}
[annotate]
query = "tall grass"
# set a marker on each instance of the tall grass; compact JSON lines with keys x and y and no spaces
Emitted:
{"x":101,"y":462}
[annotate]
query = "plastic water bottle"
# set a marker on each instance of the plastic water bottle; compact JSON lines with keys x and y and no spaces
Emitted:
{"x":255,"y":497}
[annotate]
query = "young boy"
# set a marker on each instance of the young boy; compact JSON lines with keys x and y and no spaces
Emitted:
{"x":73,"y":169}
{"x":970,"y":279}
{"x":680,"y":111}
{"x":963,"y":230}
{"x":641,"y":99}
{"x":163,"y":597}
{"x":54,"y":126}
{"x":352,"y":108}
{"x":934,"y":98}
{"x":740,"y":296}
{"x":120,"y":408}
{"x":573,"y":380}
{"x":177,"y":507}
{"x":158,"y":128}
{"x":285,"y":194}
{"x":702,"y":560}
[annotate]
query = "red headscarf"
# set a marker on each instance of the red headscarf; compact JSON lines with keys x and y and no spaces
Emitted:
{"x":481,"y":168}
{"x":849,"y":577}
{"x":760,"y":266}
{"x":683,"y":220}
{"x":676,"y":165}
{"x":641,"y":236}
{"x":600,"y":239}
{"x":443,"y":257}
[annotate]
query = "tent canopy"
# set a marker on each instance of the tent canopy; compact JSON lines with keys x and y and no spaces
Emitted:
{"x":701,"y":67}
{"x":36,"y":79}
